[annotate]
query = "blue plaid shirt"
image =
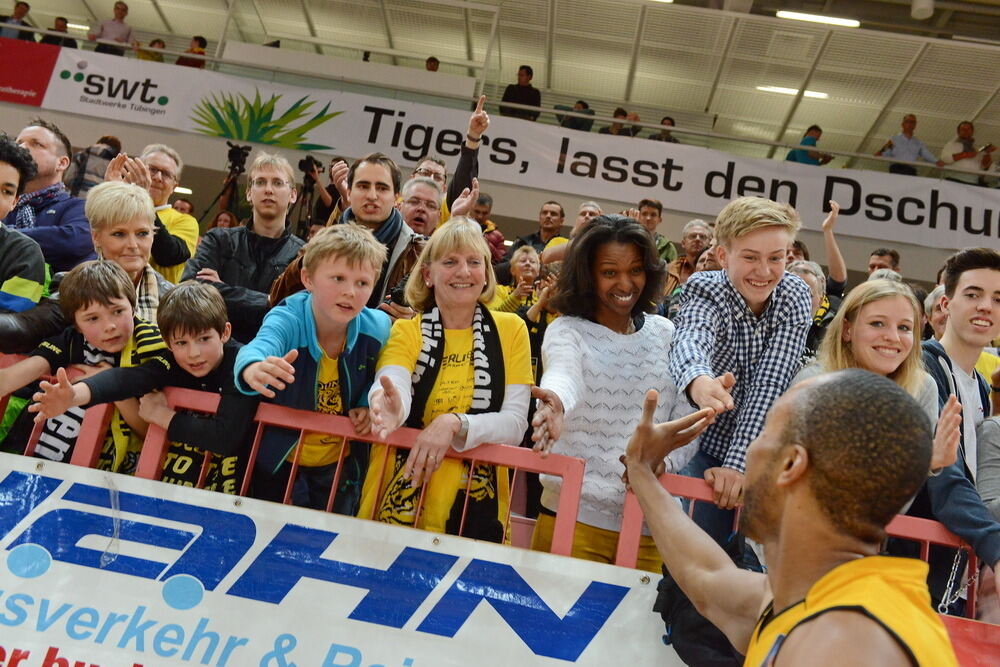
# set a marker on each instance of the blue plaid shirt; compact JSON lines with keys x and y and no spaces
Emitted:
{"x":717,"y":332}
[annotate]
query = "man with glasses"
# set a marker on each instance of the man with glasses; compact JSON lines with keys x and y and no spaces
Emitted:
{"x":46,"y":212}
{"x":695,"y":237}
{"x":243,"y":262}
{"x":420,"y":205}
{"x":176,"y":232}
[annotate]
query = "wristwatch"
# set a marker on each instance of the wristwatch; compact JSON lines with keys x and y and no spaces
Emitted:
{"x":463,"y":429}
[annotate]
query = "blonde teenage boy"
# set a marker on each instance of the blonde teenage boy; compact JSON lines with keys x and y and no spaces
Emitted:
{"x":317,"y":350}
{"x":740,"y":335}
{"x":98,"y":297}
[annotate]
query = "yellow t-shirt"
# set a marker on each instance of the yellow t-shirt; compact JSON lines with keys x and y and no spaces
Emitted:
{"x":987,"y":364}
{"x":452,"y":392}
{"x":555,"y":242}
{"x":892,"y":591}
{"x":184,"y":227}
{"x":319,"y":449}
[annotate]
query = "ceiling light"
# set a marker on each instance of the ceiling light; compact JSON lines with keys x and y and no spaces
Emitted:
{"x":792,"y":91}
{"x":183,"y":191}
{"x":77,"y":26}
{"x":815,"y":18}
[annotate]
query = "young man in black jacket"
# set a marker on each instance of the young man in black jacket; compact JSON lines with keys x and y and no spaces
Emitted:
{"x":972,"y":299}
{"x":242,"y":262}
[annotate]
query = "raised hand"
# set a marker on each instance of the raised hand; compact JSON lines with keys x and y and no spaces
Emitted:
{"x":385,"y":407}
{"x":128,"y":169}
{"x":466,"y":200}
{"x":548,"y":419}
{"x":831,"y":218}
{"x":947,"y":435}
{"x":524,"y":288}
{"x":479,"y":120}
{"x":273,"y":372}
{"x":338,"y":176}
{"x":709,"y":392}
{"x":53,"y":399}
{"x":651,"y":442}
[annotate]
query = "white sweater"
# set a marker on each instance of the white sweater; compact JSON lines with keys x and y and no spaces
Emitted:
{"x":602,"y":378}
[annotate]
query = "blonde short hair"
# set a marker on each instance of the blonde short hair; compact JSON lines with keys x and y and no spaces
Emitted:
{"x":169,"y":152}
{"x":523,"y":250}
{"x":115,"y":203}
{"x":459,"y":233}
{"x":353,"y":242}
{"x":277,"y":162}
{"x":748,"y":214}
{"x":835,"y":353}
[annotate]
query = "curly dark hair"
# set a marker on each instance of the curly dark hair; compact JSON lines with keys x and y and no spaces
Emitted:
{"x":575,"y":292}
{"x":20,"y":159}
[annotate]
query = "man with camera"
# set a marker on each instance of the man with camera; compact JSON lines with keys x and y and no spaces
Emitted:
{"x":961,"y":153}
{"x":327,"y":197}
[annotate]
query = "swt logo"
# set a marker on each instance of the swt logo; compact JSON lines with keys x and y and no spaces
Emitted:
{"x":117,"y":88}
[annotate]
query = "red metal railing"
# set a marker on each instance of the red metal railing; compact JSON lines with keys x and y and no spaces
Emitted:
{"x":155,"y":447}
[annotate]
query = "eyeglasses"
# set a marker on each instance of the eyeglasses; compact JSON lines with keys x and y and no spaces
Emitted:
{"x":275,"y":183}
{"x":165,"y":175}
{"x":427,"y":173}
{"x":426,"y":203}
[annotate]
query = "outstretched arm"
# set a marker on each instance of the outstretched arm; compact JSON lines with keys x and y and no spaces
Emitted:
{"x":726,"y":595}
{"x":834,"y":259}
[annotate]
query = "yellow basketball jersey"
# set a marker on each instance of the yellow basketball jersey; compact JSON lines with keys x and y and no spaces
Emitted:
{"x":891,"y":591}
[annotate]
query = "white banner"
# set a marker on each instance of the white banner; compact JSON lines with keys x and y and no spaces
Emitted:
{"x":875,"y":204}
{"x":103,"y":569}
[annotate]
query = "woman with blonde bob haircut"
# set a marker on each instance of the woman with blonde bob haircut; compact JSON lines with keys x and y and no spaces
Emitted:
{"x":462,"y":374}
{"x":121,"y":222}
{"x":877,"y":329}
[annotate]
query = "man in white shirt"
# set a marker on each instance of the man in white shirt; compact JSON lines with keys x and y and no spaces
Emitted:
{"x":961,"y":153}
{"x":114,"y":30}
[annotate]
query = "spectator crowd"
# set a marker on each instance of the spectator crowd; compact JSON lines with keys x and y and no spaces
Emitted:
{"x":407,"y":307}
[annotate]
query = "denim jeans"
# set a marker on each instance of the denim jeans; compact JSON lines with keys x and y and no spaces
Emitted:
{"x":718,"y":523}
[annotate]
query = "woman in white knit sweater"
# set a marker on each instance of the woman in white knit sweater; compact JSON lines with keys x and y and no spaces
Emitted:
{"x":600,"y":358}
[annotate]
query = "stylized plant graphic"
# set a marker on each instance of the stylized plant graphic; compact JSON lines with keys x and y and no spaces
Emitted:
{"x":237,"y":117}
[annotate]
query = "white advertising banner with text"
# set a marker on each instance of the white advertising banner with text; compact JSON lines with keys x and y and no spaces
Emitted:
{"x":102,"y":569}
{"x":877,"y":205}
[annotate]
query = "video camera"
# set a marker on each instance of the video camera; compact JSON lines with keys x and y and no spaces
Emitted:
{"x":237,"y":157}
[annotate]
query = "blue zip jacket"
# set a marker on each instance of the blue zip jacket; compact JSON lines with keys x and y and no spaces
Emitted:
{"x":63,"y":232}
{"x":290,"y":325}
